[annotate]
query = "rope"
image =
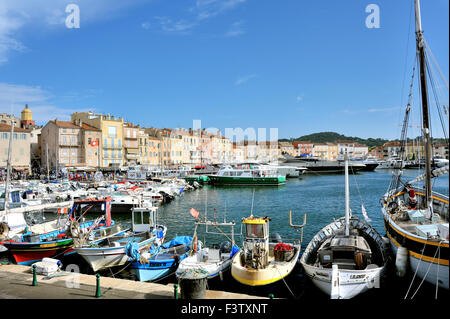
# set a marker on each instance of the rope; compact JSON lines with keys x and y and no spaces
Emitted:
{"x":428,"y":270}
{"x":437,"y":272}
{"x":286,"y":283}
{"x":417,"y":268}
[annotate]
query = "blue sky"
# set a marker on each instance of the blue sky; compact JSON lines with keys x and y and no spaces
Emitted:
{"x":299,"y":66}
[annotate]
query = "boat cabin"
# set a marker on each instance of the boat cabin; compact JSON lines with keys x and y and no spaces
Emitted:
{"x":348,"y":252}
{"x":256,"y":245}
{"x":91,"y":205}
{"x":143,"y":219}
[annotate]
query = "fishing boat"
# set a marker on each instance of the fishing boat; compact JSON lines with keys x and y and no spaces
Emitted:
{"x":31,"y":247}
{"x":252,"y":175}
{"x":263,"y":261}
{"x":212,"y":261}
{"x":161,"y":261}
{"x":111,"y":249}
{"x":416,"y":216}
{"x":346,"y":257}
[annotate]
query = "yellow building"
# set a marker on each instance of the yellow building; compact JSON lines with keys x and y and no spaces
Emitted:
{"x":112,"y":154}
{"x":332,"y":151}
{"x":320,"y":150}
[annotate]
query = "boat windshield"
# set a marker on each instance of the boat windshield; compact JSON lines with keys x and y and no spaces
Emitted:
{"x":255,"y":230}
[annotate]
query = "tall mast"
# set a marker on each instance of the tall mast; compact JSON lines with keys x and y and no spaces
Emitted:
{"x":347,"y":198}
{"x":425,"y":113}
{"x":8,"y":166}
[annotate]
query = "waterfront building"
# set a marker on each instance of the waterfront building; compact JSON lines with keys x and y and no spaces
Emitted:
{"x":111,"y":144}
{"x":320,"y":150}
{"x":6,"y":118}
{"x":377,"y":152}
{"x":391,"y":149}
{"x":69,"y":145}
{"x":130,"y":144}
{"x":440,"y":149}
{"x":360,"y":151}
{"x":20,"y":155}
{"x":268,"y":151}
{"x":303,"y":147}
{"x":333,"y":152}
{"x":287,"y":148}
{"x":238,"y":153}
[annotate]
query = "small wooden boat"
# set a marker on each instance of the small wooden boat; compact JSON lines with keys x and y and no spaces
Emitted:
{"x":31,"y":247}
{"x":347,"y":257}
{"x":111,"y":250}
{"x":261,"y":262}
{"x":161,"y":261}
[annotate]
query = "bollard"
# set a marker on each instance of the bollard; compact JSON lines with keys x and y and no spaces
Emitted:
{"x":98,"y":293}
{"x":175,"y":291}
{"x":271,"y":296}
{"x":34,"y":276}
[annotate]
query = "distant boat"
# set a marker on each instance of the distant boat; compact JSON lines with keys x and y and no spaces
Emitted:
{"x":346,"y":257}
{"x":371,"y":163}
{"x":255,"y":175}
{"x":316,"y":165}
{"x":391,"y":163}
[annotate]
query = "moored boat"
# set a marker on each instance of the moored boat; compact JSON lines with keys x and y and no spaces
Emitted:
{"x":31,"y":247}
{"x":253,"y":175}
{"x":111,"y":249}
{"x":161,"y":261}
{"x":261,"y":261}
{"x":416,"y":217}
{"x":346,"y":257}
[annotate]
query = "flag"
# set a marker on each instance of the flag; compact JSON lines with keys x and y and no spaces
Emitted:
{"x":94,"y":143}
{"x":364,"y":212}
{"x":194,"y":213}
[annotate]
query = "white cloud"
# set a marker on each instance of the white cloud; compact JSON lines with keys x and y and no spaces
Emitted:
{"x":13,"y":98}
{"x":384,"y":109}
{"x":243,"y":79}
{"x":235,"y":29}
{"x":47,"y":15}
{"x":201,"y":11}
{"x":299,"y":98}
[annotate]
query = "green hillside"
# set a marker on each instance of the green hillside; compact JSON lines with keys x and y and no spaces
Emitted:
{"x":332,"y":137}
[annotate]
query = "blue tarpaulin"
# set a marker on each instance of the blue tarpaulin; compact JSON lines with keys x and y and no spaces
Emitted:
{"x":234,"y":250}
{"x":179,"y":240}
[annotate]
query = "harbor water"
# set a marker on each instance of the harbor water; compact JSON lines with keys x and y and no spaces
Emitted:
{"x":321,"y":197}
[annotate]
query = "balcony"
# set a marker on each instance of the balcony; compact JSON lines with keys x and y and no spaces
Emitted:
{"x":132,"y":156}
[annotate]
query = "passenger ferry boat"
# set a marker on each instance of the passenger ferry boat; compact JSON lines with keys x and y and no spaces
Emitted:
{"x":250,"y":175}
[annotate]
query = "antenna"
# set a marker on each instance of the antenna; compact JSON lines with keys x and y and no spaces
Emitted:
{"x":253,"y":198}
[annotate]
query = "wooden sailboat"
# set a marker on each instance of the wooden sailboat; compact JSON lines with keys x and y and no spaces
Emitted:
{"x":346,"y":257}
{"x":416,"y":218}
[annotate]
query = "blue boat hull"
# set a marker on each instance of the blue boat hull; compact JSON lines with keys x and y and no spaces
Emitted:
{"x":156,"y":269}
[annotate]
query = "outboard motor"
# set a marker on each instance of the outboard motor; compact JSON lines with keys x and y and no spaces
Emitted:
{"x":225,"y":247}
{"x":275,"y":238}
